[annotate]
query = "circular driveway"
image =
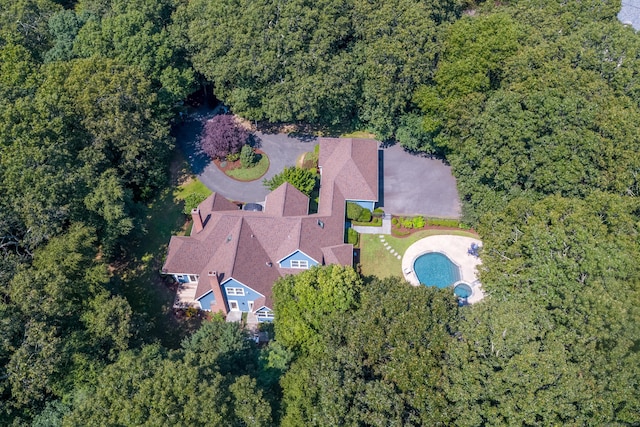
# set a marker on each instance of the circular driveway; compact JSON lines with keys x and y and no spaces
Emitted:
{"x":281,"y":149}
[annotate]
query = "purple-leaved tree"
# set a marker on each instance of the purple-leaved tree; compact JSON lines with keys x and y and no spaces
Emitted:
{"x":222,"y":136}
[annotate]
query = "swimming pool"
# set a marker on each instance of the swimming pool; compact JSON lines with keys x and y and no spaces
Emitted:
{"x":436,"y":269}
{"x":462,"y":290}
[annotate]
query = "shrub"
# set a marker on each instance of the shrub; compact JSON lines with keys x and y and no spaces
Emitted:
{"x":418,"y":222}
{"x":407,"y":222}
{"x":378,"y":212}
{"x":352,"y":236}
{"x":222,"y":136}
{"x":303,"y":179}
{"x":247,"y":156}
{"x":443,"y":222}
{"x":394,"y":221}
{"x":232,"y":157}
{"x":354,"y":211}
{"x":191,"y":201}
{"x":365,"y":215}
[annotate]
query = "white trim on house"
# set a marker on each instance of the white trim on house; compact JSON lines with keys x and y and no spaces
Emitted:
{"x":267,"y":312}
{"x":297,"y":250}
{"x":233,"y":305}
{"x":299,"y":263}
{"x":234,"y":291}
{"x":231,"y":278}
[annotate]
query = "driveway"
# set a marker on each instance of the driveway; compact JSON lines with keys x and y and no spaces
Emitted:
{"x":415,"y":184}
{"x":281,"y":149}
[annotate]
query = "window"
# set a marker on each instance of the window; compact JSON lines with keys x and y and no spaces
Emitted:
{"x":233,"y":306}
{"x":193,"y":278}
{"x":235,"y":291}
{"x":265,"y":313}
{"x":299,"y":263}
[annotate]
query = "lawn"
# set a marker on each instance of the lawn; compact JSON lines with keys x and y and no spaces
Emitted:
{"x":252,"y":173}
{"x":188,"y":186}
{"x":358,"y":134}
{"x":375,"y":259}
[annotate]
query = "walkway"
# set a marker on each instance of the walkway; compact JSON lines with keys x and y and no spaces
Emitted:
{"x":281,"y":149}
{"x":454,"y":247}
{"x":385,"y":229}
{"x":388,"y":247}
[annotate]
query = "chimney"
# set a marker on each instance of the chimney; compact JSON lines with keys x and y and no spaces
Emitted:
{"x":197,"y":221}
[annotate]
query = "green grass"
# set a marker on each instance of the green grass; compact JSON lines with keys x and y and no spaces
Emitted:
{"x":253,"y":173}
{"x":358,"y":134}
{"x":191,"y":185}
{"x":375,"y":260}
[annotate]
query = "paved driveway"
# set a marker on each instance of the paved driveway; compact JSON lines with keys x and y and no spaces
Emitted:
{"x":417,"y":185}
{"x":281,"y":149}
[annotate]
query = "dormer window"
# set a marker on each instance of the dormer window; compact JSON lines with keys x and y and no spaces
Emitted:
{"x":299,"y":263}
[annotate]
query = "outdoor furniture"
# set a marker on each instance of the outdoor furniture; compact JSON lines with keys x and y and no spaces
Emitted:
{"x":474,"y":249}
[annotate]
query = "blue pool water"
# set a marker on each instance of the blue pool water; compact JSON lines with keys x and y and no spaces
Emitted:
{"x":462,"y":290}
{"x":436,"y":269}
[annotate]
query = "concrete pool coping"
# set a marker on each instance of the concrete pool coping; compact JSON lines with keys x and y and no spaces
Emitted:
{"x":455,"y":248}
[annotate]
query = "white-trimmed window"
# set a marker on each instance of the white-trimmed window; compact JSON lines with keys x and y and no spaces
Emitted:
{"x":265,"y":313}
{"x":299,"y":263}
{"x":235,"y":291}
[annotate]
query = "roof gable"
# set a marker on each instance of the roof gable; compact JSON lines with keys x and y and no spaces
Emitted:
{"x":248,"y":245}
{"x":287,"y":200}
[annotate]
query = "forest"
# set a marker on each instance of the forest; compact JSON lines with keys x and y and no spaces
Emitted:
{"x":535,"y":104}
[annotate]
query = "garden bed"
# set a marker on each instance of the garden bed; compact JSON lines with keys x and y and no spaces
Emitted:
{"x":234,"y":170}
{"x":405,"y":226}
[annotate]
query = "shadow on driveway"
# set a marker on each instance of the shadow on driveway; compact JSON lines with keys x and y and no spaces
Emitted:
{"x":283,"y":150}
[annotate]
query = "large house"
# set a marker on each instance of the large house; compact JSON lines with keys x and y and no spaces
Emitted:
{"x":232,"y":258}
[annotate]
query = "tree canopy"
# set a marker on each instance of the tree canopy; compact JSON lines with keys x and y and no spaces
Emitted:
{"x":534,"y":104}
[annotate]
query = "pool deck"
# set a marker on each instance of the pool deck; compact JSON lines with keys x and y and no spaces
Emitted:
{"x":455,"y":247}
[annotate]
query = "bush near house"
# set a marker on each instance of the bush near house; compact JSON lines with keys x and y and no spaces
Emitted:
{"x":352,"y":236}
{"x":365,"y":215}
{"x":354,"y":211}
{"x":191,"y":201}
{"x":357,"y":213}
{"x":303,"y":179}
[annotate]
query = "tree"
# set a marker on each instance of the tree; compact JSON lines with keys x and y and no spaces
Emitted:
{"x":304,"y":301}
{"x":383,"y":361}
{"x":554,"y":342}
{"x":207,"y":383}
{"x":247,"y":156}
{"x":413,"y":136}
{"x":303,"y":179}
{"x":138,"y":33}
{"x":222,"y":136}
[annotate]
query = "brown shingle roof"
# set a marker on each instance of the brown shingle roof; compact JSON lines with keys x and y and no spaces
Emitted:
{"x":241,"y":244}
{"x":350,"y":165}
{"x":339,"y":254}
{"x":287,"y":200}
